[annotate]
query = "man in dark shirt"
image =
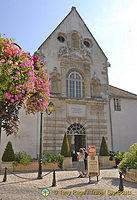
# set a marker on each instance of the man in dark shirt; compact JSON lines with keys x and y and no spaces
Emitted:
{"x":85,"y":161}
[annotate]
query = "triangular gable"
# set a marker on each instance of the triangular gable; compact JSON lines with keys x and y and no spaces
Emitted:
{"x":73,"y":9}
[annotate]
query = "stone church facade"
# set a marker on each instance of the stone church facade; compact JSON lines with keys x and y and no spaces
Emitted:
{"x":79,"y":86}
{"x":80,"y":91}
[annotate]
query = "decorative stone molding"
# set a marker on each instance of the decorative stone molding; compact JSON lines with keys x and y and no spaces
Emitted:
{"x":55,"y":81}
{"x":75,"y":54}
{"x":97,"y":107}
{"x":95,"y":87}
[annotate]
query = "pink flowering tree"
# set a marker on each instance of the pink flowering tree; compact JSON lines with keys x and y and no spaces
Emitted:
{"x":23,"y":83}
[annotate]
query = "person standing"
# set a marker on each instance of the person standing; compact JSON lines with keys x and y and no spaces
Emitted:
{"x":85,"y":160}
{"x":81,"y":165}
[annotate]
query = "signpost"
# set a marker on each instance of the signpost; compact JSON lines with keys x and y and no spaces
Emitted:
{"x":93,"y":163}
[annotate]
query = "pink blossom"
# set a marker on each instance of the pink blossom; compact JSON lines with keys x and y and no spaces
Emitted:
{"x":16,"y":97}
{"x":10,"y":61}
{"x":35,"y":82}
{"x":2,"y":60}
{"x":16,"y":78}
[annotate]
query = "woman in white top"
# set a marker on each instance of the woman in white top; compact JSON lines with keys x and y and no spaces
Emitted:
{"x":81,"y":165}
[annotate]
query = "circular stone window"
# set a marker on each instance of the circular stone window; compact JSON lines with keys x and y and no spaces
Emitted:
{"x":87,"y":43}
{"x":61,"y":38}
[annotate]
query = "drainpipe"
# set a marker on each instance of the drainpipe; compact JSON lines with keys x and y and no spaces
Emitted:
{"x":109,"y":98}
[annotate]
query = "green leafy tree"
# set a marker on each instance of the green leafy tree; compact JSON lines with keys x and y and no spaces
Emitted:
{"x":119,"y":156}
{"x":104,"y":149}
{"x":65,"y":150}
{"x":8,"y":154}
{"x":129,"y":160}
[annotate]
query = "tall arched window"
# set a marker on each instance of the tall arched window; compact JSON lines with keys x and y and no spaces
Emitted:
{"x":75,"y":85}
{"x":76,"y":129}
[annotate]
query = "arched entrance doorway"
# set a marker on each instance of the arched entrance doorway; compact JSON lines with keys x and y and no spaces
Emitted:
{"x":77,"y":138}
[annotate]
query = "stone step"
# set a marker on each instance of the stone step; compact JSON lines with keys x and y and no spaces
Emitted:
{"x":72,"y":169}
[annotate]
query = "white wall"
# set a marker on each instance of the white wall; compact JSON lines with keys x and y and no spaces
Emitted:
{"x":124,"y":124}
{"x":27,"y":138}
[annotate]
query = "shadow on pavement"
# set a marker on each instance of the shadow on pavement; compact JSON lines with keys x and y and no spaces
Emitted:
{"x":67,"y":179}
{"x":79,"y":185}
{"x":6,"y":183}
{"x":115,"y":182}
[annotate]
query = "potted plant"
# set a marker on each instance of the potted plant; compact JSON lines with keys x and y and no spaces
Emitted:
{"x":104,"y":155}
{"x":65,"y":151}
{"x":8,"y":157}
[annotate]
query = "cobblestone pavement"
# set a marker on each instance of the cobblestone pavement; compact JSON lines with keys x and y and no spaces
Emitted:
{"x":68,"y":187}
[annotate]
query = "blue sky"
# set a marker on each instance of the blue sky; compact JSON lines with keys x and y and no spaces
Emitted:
{"x":113,"y":23}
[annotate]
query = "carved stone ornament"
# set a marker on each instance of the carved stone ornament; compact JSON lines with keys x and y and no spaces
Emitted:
{"x":75,"y":54}
{"x":55,"y":81}
{"x":95,"y":86}
{"x":55,"y":72}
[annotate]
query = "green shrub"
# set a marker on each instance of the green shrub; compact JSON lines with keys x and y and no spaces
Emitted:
{"x":60,"y":161}
{"x":8,"y":154}
{"x":129,"y":160}
{"x":17,"y":157}
{"x":65,"y":150}
{"x":104,"y":150}
{"x":119,"y":156}
{"x":50,"y":157}
{"x":22,"y":158}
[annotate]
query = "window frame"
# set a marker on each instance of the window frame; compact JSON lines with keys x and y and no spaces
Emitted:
{"x":75,"y":85}
{"x":117,"y":104}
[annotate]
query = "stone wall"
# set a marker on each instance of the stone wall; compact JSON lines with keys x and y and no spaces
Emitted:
{"x":92,"y":117}
{"x":131,"y":175}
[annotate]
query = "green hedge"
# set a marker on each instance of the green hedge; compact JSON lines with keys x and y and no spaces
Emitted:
{"x":8,"y":155}
{"x":65,"y":150}
{"x":129,"y":160}
{"x":104,"y":149}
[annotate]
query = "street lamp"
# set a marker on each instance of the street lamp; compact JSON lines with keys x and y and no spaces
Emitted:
{"x":48,"y":111}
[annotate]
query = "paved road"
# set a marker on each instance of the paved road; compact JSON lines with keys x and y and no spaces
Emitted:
{"x":68,"y":187}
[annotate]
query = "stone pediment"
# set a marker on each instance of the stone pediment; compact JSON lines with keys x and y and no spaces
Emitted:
{"x":75,"y":54}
